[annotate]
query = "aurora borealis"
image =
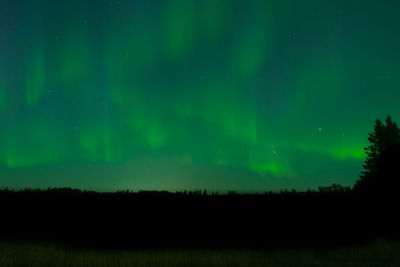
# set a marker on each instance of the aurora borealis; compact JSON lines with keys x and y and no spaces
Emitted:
{"x":180,"y":94}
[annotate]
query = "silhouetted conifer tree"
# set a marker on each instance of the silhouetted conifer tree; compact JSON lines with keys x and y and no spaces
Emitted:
{"x":381,"y":167}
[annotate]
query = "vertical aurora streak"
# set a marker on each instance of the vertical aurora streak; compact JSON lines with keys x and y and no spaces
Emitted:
{"x":244,"y":95}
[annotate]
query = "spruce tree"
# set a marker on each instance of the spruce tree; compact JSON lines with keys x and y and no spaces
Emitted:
{"x":381,"y":167}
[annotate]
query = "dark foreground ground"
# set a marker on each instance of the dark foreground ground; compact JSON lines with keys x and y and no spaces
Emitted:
{"x":183,"y":220}
{"x":64,"y":227}
{"x":378,"y":253}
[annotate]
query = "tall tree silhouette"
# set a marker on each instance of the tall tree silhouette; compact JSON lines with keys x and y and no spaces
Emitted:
{"x":381,"y":173}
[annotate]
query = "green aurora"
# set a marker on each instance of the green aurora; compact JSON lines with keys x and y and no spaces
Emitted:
{"x":181,"y":94}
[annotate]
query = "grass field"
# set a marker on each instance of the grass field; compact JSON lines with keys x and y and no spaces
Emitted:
{"x":21,"y":253}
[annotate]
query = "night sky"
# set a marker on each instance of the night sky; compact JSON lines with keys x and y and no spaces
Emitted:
{"x":179,"y":94}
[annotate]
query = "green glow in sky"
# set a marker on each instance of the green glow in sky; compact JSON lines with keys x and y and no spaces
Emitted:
{"x":179,"y":94}
{"x":3,"y":94}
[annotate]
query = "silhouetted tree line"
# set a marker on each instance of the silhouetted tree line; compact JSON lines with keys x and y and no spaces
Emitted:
{"x":332,"y":189}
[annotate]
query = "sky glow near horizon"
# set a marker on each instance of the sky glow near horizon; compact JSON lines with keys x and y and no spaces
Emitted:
{"x":180,"y":94}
